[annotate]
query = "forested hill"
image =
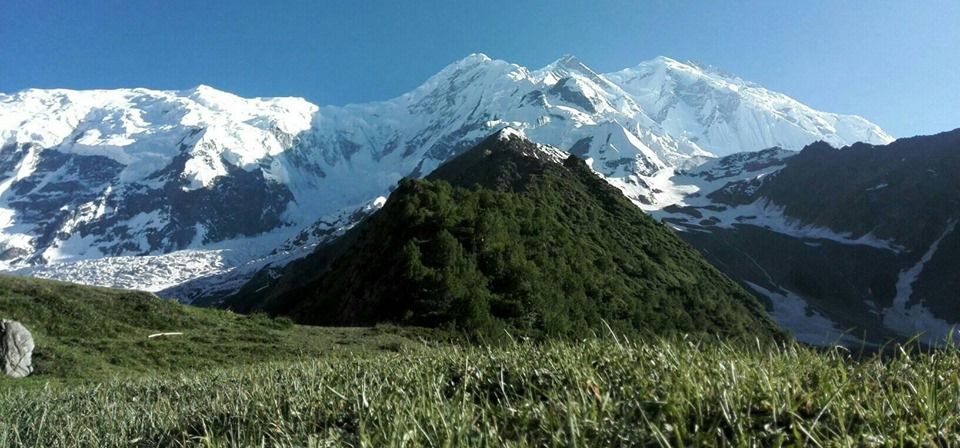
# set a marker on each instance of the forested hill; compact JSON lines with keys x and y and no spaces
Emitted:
{"x":511,"y":236}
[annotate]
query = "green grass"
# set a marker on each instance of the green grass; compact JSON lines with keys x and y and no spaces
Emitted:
{"x":593,"y":393}
{"x":235,"y":380}
{"x":84,"y":333}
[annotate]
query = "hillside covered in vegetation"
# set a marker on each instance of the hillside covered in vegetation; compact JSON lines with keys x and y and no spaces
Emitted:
{"x":85,"y":333}
{"x":510,"y":236}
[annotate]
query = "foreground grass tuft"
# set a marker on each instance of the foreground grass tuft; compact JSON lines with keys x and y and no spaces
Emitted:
{"x":594,"y":393}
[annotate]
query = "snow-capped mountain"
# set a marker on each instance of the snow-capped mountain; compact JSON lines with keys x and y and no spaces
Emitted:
{"x":94,"y":181}
{"x":723,"y":114}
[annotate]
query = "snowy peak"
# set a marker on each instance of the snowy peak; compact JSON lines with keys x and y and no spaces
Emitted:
{"x":525,"y":146}
{"x":505,"y":161}
{"x":569,"y":61}
{"x":473,"y":59}
{"x":692,"y":69}
{"x":719,"y":112}
{"x":569,"y":64}
{"x":667,"y":74}
{"x":569,"y":67}
{"x":144,"y":129}
{"x":509,"y":133}
{"x":476,"y":67}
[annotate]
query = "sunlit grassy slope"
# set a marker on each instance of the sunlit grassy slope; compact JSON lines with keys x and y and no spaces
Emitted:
{"x":593,"y":393}
{"x":85,"y":333}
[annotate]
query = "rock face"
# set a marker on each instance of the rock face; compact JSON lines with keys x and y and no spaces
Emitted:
{"x":851,"y":243}
{"x":16,"y":348}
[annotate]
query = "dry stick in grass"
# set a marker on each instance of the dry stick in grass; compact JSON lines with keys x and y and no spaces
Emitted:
{"x":156,"y":335}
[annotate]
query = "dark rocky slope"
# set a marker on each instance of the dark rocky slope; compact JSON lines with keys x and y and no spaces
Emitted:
{"x":871,"y":244}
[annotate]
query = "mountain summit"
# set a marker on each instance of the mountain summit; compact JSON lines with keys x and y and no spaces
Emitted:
{"x":511,"y":235}
{"x":723,"y":113}
{"x":151,"y":189}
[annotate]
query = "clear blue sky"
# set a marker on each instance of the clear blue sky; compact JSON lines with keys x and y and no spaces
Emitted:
{"x":895,"y":62}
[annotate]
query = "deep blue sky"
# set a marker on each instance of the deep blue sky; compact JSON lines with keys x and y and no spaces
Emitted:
{"x":895,"y":62}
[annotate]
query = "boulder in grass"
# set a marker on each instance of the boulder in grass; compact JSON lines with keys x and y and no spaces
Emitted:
{"x":16,"y":349}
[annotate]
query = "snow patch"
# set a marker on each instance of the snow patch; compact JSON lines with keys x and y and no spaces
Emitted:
{"x":509,"y":132}
{"x":916,"y":319}
{"x":791,"y":312}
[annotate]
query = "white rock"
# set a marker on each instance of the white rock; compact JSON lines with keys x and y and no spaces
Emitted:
{"x":16,"y":346}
